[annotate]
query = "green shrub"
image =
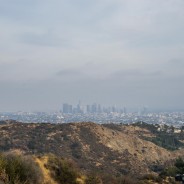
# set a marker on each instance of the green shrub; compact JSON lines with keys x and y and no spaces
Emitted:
{"x":179,"y":163}
{"x":63,"y":171}
{"x":170,"y":171}
{"x":18,"y":169}
{"x":93,"y":179}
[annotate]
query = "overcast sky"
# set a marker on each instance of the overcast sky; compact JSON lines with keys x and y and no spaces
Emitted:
{"x":124,"y":52}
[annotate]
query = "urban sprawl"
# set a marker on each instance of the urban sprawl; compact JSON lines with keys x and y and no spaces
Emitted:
{"x":98,"y":114}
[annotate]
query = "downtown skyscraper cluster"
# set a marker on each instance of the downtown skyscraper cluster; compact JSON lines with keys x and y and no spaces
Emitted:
{"x":90,"y":108}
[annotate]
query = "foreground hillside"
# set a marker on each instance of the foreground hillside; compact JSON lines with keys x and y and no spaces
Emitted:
{"x":103,"y":148}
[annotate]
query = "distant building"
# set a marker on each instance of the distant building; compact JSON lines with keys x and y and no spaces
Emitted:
{"x":94,"y":108}
{"x":99,"y":110}
{"x":67,"y":108}
{"x":177,"y":131}
{"x":88,"y":108}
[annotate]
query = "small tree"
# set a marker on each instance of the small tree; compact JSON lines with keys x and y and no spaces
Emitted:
{"x":180,"y":165}
{"x":17,"y":169}
{"x":62,"y":170}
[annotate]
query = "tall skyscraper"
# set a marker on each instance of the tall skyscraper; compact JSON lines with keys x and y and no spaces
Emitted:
{"x":99,"y":110}
{"x":88,"y":108}
{"x":94,"y":108}
{"x":67,"y":108}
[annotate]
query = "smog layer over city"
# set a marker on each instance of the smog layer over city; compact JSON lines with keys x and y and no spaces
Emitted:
{"x":123,"y":53}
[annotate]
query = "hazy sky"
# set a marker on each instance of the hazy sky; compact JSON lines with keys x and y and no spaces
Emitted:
{"x":124,"y":52}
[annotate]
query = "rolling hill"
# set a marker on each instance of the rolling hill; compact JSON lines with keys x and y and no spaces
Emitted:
{"x":119,"y":149}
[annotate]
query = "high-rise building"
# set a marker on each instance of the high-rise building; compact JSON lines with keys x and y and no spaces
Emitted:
{"x":99,"y":110}
{"x":67,"y":108}
{"x":79,"y":108}
{"x":94,"y":108}
{"x":70,"y":109}
{"x":88,"y":108}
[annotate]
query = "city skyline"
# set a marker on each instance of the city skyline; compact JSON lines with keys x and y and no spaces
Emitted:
{"x":82,"y":107}
{"x":90,"y":108}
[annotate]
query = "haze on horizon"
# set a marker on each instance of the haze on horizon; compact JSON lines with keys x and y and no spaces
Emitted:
{"x":123,"y":52}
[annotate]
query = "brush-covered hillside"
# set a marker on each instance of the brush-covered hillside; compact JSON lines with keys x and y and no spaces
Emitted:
{"x":116,"y":149}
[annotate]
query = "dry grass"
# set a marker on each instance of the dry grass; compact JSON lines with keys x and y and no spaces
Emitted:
{"x":46,"y":173}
